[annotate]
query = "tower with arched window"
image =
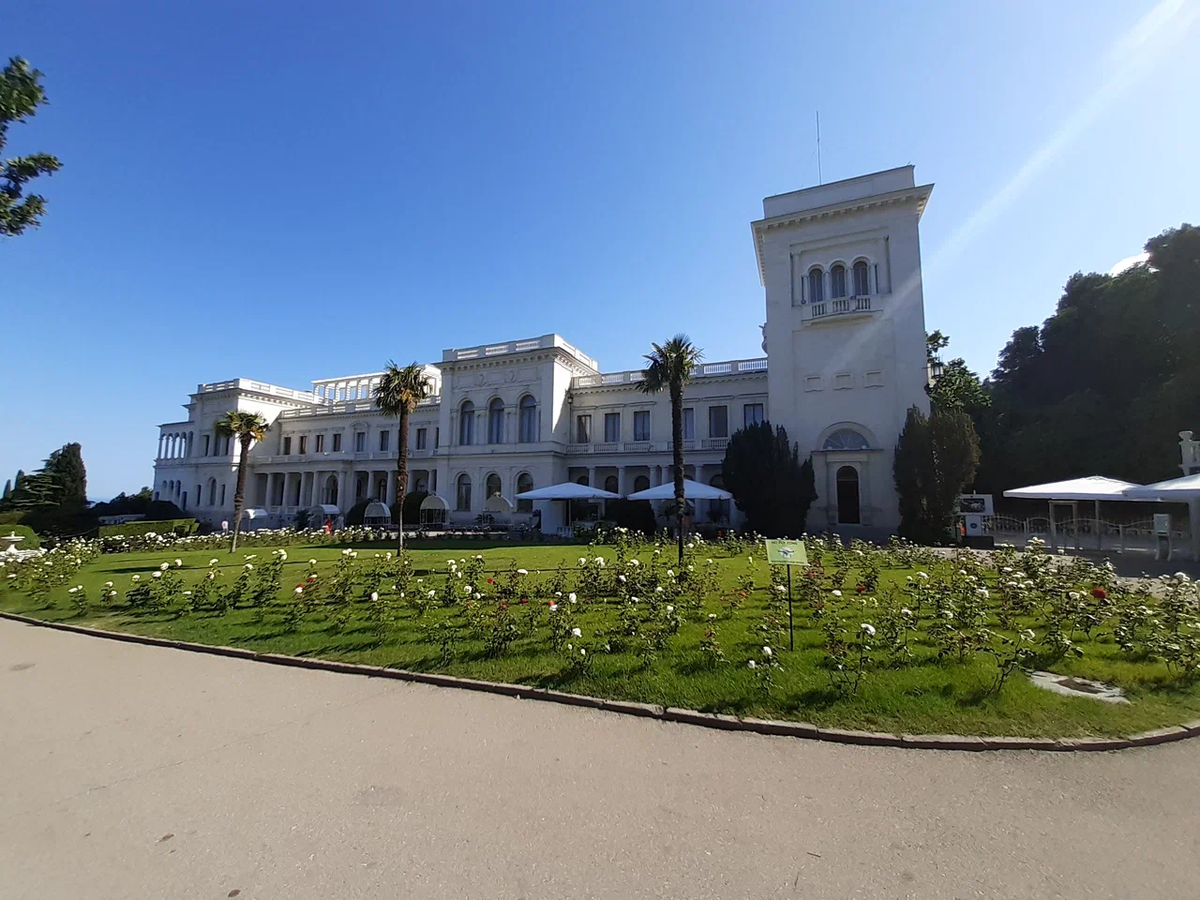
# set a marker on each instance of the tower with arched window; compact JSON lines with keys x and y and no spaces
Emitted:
{"x":841,"y":265}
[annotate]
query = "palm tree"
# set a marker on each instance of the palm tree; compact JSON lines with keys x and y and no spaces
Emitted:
{"x":247,"y":427}
{"x":398,"y":393}
{"x":668,"y":367}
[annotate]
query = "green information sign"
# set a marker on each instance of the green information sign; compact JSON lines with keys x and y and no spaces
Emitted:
{"x":787,"y":553}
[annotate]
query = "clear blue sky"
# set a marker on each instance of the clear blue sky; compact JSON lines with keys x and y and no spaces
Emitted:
{"x":288,"y":191}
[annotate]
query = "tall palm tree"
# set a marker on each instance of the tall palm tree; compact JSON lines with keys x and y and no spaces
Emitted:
{"x":668,"y":367}
{"x":398,"y":393}
{"x":247,"y":427}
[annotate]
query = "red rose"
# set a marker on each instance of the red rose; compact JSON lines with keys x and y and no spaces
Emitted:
{"x":861,"y":588}
{"x":1100,"y":593}
{"x":524,"y":599}
{"x":741,"y":593}
{"x":490,"y":581}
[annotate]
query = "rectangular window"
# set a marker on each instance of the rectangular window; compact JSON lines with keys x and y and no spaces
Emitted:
{"x":421,"y":438}
{"x":320,"y":443}
{"x":303,"y":444}
{"x":583,"y":429}
{"x":384,"y":438}
{"x":612,"y":427}
{"x":437,"y":439}
{"x":206,"y":449}
{"x":641,"y":425}
{"x":287,"y":445}
{"x":689,"y":424}
{"x":337,"y":442}
{"x":752,"y":414}
{"x":718,"y":421}
{"x":360,"y":441}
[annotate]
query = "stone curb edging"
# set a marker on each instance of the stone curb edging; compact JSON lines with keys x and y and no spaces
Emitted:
{"x":649,"y":710}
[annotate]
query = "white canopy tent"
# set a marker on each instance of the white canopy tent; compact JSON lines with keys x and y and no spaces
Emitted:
{"x":1176,"y":490}
{"x":1095,"y":488}
{"x":497,"y":504}
{"x":692,"y":490}
{"x":568,"y":491}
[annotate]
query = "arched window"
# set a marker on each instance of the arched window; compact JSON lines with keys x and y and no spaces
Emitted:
{"x":462,"y":493}
{"x":611,"y":484}
{"x":582,"y":479}
{"x":846,"y":439}
{"x":421,"y":485}
{"x":222,"y":493}
{"x":496,"y":422}
{"x":212,"y":492}
{"x":466,"y":424}
{"x":524,"y":483}
{"x":641,"y":483}
{"x":862,"y":280}
{"x":527,"y":427}
{"x":837,"y":279}
{"x":816,"y":285}
{"x":493,"y":485}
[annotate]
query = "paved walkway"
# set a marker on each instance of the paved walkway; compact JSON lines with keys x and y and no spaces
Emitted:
{"x":129,"y":771}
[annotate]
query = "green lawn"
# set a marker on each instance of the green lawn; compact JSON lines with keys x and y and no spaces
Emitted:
{"x":924,"y":695}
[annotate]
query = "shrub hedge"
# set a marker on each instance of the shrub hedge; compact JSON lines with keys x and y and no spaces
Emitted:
{"x":181,"y":527}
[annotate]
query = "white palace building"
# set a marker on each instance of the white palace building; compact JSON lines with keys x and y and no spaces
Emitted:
{"x":845,"y":344}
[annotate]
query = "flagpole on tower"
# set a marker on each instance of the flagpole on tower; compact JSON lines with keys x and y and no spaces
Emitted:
{"x":820,"y":180}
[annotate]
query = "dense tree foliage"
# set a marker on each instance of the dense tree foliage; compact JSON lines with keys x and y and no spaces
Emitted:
{"x":21,"y":94}
{"x":1107,"y":382}
{"x":936,"y":458}
{"x":60,"y":482}
{"x":762,"y":470}
{"x":126,"y":504}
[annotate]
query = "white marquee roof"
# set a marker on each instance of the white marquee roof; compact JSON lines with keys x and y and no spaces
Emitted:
{"x":1176,"y":490}
{"x":692,"y":490}
{"x":568,"y":490}
{"x":1090,"y":487}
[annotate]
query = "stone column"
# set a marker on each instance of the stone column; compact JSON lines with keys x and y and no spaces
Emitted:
{"x":393,"y":486}
{"x":591,"y":476}
{"x":270,"y":498}
{"x":345,"y":501}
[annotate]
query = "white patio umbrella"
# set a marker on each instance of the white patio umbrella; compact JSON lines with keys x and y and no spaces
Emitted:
{"x":692,"y":490}
{"x":1176,"y":490}
{"x":568,"y":491}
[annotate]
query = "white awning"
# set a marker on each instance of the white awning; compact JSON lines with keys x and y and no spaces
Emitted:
{"x":1176,"y":490}
{"x":377,"y":511}
{"x":323,"y":511}
{"x":433,"y":501}
{"x":568,"y":490}
{"x":1091,"y":487}
{"x":692,"y":490}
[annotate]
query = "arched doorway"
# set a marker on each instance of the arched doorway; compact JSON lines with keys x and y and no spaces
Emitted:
{"x":331,"y":491}
{"x":847,"y":496}
{"x":611,"y":485}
